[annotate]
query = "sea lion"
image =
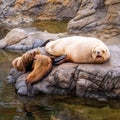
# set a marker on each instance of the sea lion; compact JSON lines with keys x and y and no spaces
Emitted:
{"x":24,"y":62}
{"x":42,"y":65}
{"x":79,"y":49}
{"x":18,"y":64}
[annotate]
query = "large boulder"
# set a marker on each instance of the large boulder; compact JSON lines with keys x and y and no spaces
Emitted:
{"x":82,"y":80}
{"x":13,"y":37}
{"x":100,"y":18}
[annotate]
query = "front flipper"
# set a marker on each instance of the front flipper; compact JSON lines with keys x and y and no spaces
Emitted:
{"x":59,"y":60}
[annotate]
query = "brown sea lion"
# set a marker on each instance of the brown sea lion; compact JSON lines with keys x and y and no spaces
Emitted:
{"x":18,"y":64}
{"x":42,"y":65}
{"x":24,"y":62}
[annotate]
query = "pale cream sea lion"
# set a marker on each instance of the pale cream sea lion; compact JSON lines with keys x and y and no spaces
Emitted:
{"x":79,"y":49}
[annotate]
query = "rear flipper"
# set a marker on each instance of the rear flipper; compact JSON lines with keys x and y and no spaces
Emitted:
{"x":59,"y":60}
{"x":30,"y":90}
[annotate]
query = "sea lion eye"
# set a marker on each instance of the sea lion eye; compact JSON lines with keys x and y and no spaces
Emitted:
{"x":103,"y":51}
{"x":94,"y":51}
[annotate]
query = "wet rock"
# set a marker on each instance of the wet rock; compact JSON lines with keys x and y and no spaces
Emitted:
{"x":22,"y":91}
{"x":13,"y":75}
{"x":98,"y":81}
{"x":20,"y":85}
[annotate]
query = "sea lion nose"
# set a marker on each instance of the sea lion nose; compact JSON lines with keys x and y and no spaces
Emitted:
{"x":98,"y":52}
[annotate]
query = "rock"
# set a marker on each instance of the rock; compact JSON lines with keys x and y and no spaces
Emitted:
{"x":20,"y":85}
{"x":15,"y":12}
{"x":13,"y":37}
{"x":13,"y":75}
{"x":97,"y":17}
{"x":98,"y":81}
{"x":19,"y":39}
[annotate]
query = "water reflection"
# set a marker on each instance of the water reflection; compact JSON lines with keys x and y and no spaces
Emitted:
{"x":68,"y":108}
{"x":8,"y":104}
{"x":48,"y":107}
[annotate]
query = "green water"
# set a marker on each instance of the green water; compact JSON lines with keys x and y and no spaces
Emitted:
{"x":48,"y":107}
{"x":51,"y":26}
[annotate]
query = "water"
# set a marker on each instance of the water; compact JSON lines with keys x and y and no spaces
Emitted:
{"x":48,"y":107}
{"x":48,"y":26}
{"x":51,"y":26}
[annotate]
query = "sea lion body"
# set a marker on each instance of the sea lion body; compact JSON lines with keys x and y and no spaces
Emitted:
{"x":41,"y":67}
{"x":79,"y":49}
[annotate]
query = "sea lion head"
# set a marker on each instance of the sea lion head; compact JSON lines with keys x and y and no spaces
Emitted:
{"x":24,"y":62}
{"x":28,"y":57}
{"x":100,"y":54}
{"x":18,"y":64}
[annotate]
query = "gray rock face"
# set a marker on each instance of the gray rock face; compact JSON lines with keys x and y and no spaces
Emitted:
{"x":14,"y":12}
{"x":98,"y":17}
{"x":82,"y":80}
{"x":94,"y":17}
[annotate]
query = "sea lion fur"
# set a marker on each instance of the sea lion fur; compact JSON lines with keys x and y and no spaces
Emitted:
{"x":79,"y":49}
{"x":41,"y":67}
{"x":24,"y":62}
